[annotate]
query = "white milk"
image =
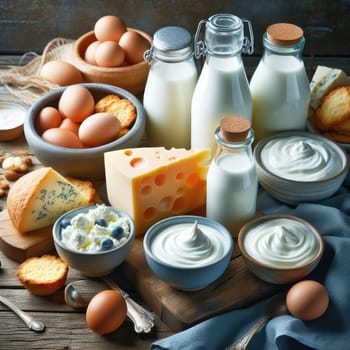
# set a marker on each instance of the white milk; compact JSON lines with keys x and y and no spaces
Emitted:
{"x":233,"y":180}
{"x":222,"y":90}
{"x":280,"y":92}
{"x":167,"y":101}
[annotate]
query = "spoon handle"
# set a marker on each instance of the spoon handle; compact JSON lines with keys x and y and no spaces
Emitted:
{"x":143,"y":319}
{"x":34,"y":325}
{"x":242,"y":343}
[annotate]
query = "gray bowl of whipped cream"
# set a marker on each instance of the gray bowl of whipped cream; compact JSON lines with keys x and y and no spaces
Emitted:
{"x":298,"y":166}
{"x":188,"y":252}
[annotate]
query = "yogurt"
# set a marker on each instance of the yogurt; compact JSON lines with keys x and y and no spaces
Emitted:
{"x":301,"y":158}
{"x":282,"y":243}
{"x":188,"y":244}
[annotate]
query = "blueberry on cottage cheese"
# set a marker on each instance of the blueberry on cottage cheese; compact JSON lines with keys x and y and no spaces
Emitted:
{"x":101,"y":222}
{"x":106,"y":244}
{"x":117,"y":232}
{"x":64,"y":223}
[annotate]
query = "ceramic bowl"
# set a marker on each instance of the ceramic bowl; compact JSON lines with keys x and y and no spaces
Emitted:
{"x":297,"y":191}
{"x":12,"y":117}
{"x":92,"y":264}
{"x":279,"y":273}
{"x":87,"y":163}
{"x":131,"y":78}
{"x":194,"y":277}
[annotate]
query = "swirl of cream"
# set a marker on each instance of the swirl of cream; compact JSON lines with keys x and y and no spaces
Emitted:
{"x":301,"y":158}
{"x":282,"y":243}
{"x":188,"y":245}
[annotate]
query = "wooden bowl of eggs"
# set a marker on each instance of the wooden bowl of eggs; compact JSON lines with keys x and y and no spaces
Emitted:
{"x":126,"y":70}
{"x":70,"y":128}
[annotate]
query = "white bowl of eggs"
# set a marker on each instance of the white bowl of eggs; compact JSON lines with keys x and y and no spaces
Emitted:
{"x":112,"y":53}
{"x":67,"y":130}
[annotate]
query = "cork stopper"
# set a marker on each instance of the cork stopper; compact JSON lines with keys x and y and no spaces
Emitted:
{"x":284,"y":34}
{"x":234,"y":129}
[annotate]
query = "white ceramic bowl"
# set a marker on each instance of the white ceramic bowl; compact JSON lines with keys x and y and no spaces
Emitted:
{"x":87,"y":163}
{"x":12,"y":117}
{"x":281,"y":274}
{"x":297,"y":191}
{"x":194,"y":277}
{"x":92,"y":264}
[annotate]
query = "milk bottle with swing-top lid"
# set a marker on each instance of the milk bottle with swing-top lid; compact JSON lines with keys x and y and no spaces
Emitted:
{"x":169,"y":88}
{"x":280,"y":86}
{"x":222,"y":88}
{"x":232,"y":180}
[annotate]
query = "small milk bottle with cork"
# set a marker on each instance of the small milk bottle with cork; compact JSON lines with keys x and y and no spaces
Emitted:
{"x":169,"y":88}
{"x":279,"y":86}
{"x":232,"y":181}
{"x":222,"y":88}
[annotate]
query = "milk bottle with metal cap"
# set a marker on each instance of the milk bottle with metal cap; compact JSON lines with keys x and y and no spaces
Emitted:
{"x":280,"y":86}
{"x":169,"y":88}
{"x":232,"y":181}
{"x":222,"y":88}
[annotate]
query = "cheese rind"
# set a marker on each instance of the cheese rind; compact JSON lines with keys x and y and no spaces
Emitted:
{"x":38,"y":198}
{"x":153,"y":183}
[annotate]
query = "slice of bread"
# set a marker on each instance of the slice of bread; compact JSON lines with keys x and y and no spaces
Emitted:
{"x":43,"y":275}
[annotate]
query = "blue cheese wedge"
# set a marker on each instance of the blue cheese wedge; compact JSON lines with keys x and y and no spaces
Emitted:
{"x":324,"y":80}
{"x":38,"y":198}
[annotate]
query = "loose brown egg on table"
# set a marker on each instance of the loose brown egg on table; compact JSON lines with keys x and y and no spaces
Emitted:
{"x":76,"y":103}
{"x":109,"y":28}
{"x":109,"y":54}
{"x":134,"y":46}
{"x":106,"y":312}
{"x":62,"y":137}
{"x":307,"y":300}
{"x":49,"y":117}
{"x":61,"y":73}
{"x":99,"y":129}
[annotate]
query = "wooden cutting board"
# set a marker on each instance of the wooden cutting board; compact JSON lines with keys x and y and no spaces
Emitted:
{"x":18,"y":246}
{"x":236,"y":288}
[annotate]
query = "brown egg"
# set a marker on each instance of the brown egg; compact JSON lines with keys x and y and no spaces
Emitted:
{"x":134,"y":46}
{"x":48,"y":117}
{"x":99,"y":129}
{"x":76,"y":103}
{"x":307,"y":300}
{"x":106,"y":312}
{"x":62,"y":137}
{"x":61,"y":73}
{"x":70,"y":125}
{"x":90,"y":52}
{"x":109,"y":54}
{"x":109,"y":28}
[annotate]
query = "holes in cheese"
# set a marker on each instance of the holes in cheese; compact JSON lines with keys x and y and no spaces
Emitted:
{"x":152,"y":183}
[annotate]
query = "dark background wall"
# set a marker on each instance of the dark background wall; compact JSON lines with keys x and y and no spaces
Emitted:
{"x":29,"y":25}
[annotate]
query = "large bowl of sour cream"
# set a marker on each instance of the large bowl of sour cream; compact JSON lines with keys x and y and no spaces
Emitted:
{"x":298,"y":166}
{"x":280,"y":249}
{"x":189,"y":252}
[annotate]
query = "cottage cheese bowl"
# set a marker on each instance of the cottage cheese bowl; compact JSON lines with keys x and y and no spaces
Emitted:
{"x":298,"y":166}
{"x":189,"y":252}
{"x":85,"y":163}
{"x":94,"y":239}
{"x":280,"y":249}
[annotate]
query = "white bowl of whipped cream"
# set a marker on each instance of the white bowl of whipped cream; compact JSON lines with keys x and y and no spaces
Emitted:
{"x":298,"y":166}
{"x":280,"y":249}
{"x":188,"y":252}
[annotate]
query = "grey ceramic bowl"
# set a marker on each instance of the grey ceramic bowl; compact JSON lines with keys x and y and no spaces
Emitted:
{"x":297,"y":191}
{"x":92,"y":264}
{"x":193,"y":277}
{"x":82,"y":163}
{"x":279,"y":275}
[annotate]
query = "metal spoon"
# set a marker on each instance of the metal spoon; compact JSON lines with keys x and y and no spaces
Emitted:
{"x":34,"y":325}
{"x":275,"y":307}
{"x":79,"y":293}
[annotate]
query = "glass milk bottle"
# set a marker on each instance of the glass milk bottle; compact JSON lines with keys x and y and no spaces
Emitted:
{"x":280,"y":86}
{"x":232,"y":181}
{"x":169,"y":88}
{"x":222,"y":88}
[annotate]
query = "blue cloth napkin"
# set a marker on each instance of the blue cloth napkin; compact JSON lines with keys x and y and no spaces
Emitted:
{"x":331,"y":331}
